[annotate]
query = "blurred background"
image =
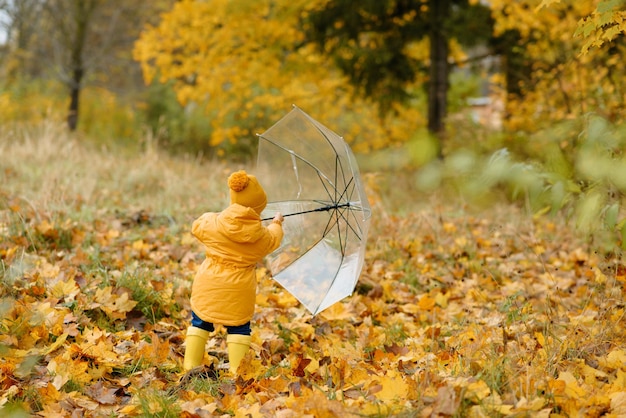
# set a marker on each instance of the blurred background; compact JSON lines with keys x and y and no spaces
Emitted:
{"x":521,"y":100}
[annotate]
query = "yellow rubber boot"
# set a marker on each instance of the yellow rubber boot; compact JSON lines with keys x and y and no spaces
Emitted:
{"x":195,"y":344}
{"x":238,"y":346}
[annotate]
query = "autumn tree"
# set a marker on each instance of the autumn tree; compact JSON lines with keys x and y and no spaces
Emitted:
{"x":372,"y":43}
{"x":567,"y":113}
{"x":561,"y":83}
{"x":73,"y":21}
{"x":21,"y":27}
{"x":76,"y":41}
{"x":607,"y":22}
{"x":245,"y":63}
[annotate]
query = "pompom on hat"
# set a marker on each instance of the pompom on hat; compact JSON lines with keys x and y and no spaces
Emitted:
{"x":246,"y":191}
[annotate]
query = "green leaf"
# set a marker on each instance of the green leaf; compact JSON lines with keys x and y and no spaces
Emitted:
{"x":608,"y":5}
{"x":610,"y":215}
{"x":611,"y":32}
{"x":606,"y":18}
{"x":588,"y":210}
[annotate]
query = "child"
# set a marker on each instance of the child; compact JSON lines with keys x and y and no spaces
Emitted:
{"x":224,"y":288}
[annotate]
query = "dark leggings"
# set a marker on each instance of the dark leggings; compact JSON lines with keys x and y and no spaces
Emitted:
{"x":208,"y":326}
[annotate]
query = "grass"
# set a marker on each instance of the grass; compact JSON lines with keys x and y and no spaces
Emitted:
{"x":158,"y":404}
{"x":117,"y":221}
{"x":46,"y":170}
{"x":152,"y":297}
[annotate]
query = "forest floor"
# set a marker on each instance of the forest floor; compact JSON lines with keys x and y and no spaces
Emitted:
{"x":458,"y":312}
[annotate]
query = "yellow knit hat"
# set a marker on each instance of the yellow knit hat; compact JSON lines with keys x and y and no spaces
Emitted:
{"x":246,"y":191}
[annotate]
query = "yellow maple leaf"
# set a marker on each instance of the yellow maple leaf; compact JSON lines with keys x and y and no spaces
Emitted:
{"x":449,"y":227}
{"x":46,"y":229}
{"x":64,"y":368}
{"x":541,"y":339}
{"x":426,"y":303}
{"x":390,"y":387}
{"x":315,"y":403}
{"x":491,"y":406}
{"x":58,"y":343}
{"x":619,"y":384}
{"x":337,"y":312}
{"x":157,"y":351}
{"x":618,"y":404}
{"x":616,"y":359}
{"x":65,"y":289}
{"x":48,"y":270}
{"x":283,"y":299}
{"x":313,"y":366}
{"x":441,"y":299}
{"x":359,"y":375}
{"x":275,"y":384}
{"x":142,"y":247}
{"x":590,"y":374}
{"x":130,"y":410}
{"x":49,"y":393}
{"x":572,"y":388}
{"x":477,"y":390}
{"x":115,"y":306}
{"x":410,"y":308}
{"x":262,"y":300}
{"x":251,"y":411}
{"x":103,"y":353}
{"x":530,"y":405}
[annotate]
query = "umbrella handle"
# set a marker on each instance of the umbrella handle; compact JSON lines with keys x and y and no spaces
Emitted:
{"x":322,"y":209}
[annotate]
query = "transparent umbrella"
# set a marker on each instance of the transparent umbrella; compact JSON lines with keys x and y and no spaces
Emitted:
{"x":311,"y":176}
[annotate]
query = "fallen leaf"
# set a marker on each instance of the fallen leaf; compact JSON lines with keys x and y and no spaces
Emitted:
{"x":618,"y":403}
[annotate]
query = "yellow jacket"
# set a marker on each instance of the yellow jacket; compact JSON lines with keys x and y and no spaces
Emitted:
{"x":224,"y":288}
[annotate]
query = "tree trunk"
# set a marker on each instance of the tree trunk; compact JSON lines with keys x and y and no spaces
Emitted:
{"x":82,"y":16}
{"x":438,"y":80}
{"x":72,"y":116}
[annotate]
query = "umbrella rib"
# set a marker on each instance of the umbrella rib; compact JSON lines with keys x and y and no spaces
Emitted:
{"x":333,"y":195}
{"x":320,"y":130}
{"x":342,"y":236}
{"x":349,"y":225}
{"x":318,"y":171}
{"x":336,"y":213}
{"x":326,"y":208}
{"x":349,"y":208}
{"x":299,"y":157}
{"x":330,"y":143}
{"x":328,"y":192}
{"x":340,"y":194}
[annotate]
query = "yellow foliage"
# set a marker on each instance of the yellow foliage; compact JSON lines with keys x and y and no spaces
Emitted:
{"x":563,"y":83}
{"x":455,"y":315}
{"x":114,"y":305}
{"x":247,"y":75}
{"x":65,"y":289}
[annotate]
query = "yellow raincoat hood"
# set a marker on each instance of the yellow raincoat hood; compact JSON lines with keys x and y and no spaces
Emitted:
{"x":235,"y":240}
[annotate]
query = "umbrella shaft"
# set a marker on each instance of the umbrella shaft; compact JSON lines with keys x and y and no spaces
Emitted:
{"x":322,"y":209}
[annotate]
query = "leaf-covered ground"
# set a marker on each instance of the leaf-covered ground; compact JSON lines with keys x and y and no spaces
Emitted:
{"x":457,"y":313}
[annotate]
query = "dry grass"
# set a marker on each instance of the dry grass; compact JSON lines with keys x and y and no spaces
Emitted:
{"x":468,"y":310}
{"x":55,"y":171}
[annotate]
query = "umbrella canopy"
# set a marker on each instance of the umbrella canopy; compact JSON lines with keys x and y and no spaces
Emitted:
{"x":311,"y":176}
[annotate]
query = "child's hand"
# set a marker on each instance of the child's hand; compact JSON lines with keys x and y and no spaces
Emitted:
{"x":278,"y":218}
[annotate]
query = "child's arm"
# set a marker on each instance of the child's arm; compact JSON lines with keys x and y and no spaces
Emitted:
{"x":278,"y":218}
{"x":199,"y":225}
{"x":275,"y":230}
